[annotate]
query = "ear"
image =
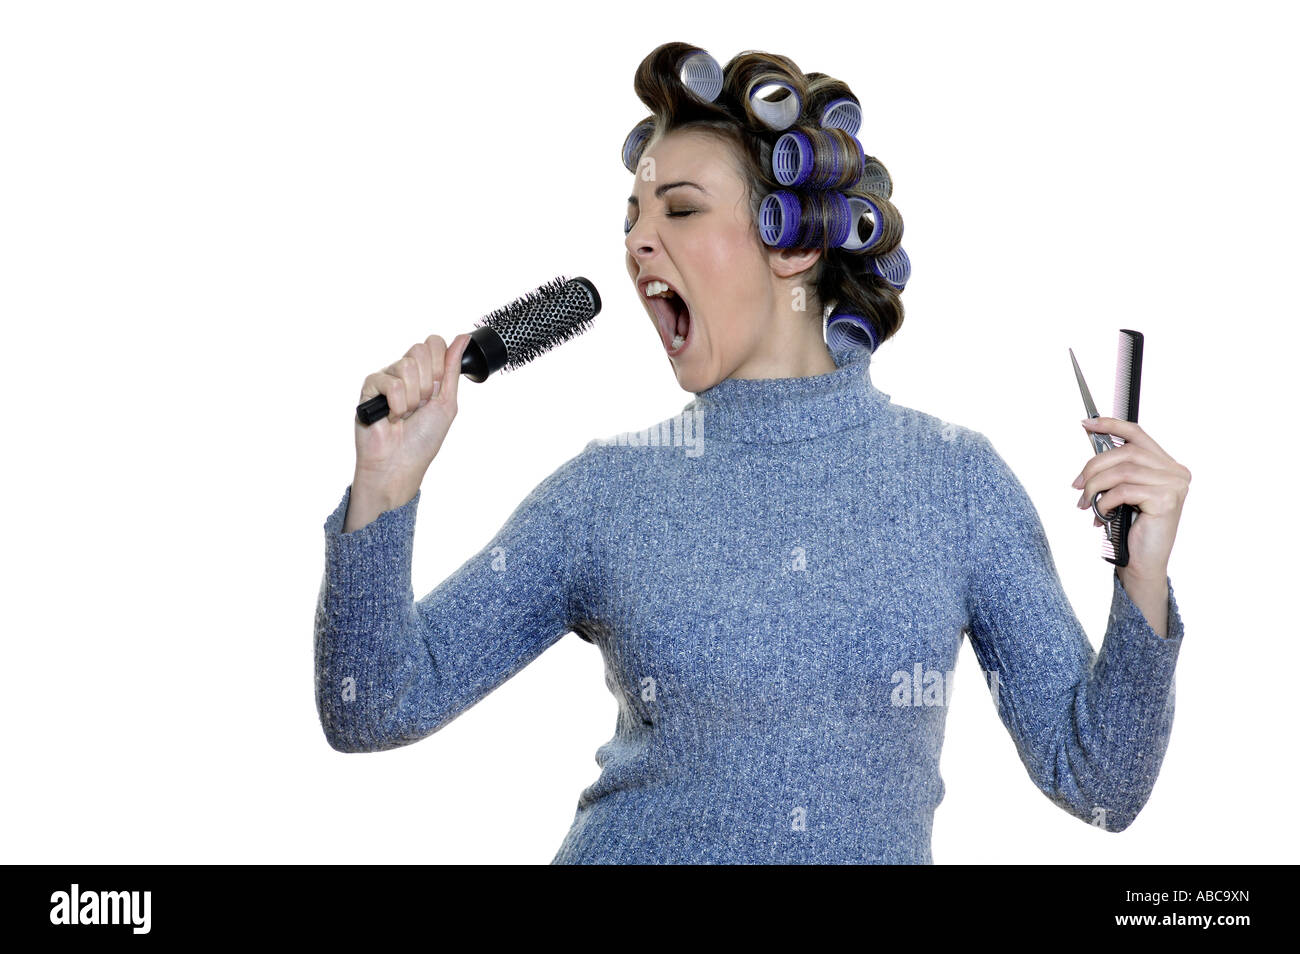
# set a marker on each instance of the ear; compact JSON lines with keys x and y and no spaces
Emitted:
{"x":789,"y":262}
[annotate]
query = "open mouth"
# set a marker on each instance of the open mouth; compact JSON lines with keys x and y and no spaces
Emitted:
{"x":673,"y":320}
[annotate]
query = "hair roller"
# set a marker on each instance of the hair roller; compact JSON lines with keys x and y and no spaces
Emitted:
{"x":848,"y":330}
{"x":835,"y":217}
{"x":822,"y":218}
{"x":770,"y":89}
{"x":843,"y":114}
{"x":877,"y":226}
{"x":774,"y":103}
{"x":701,"y":75}
{"x":778,"y":218}
{"x":894,"y":267}
{"x":792,"y":159}
{"x":678,"y":82}
{"x":817,"y":159}
{"x":875,"y":179}
{"x":833,"y":104}
{"x":810,"y":221}
{"x":859,"y":209}
{"x":635,"y":142}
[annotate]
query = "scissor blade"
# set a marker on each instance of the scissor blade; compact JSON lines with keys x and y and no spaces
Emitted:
{"x":1083,"y":388}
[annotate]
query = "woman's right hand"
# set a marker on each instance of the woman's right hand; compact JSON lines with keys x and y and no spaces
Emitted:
{"x":394,"y":452}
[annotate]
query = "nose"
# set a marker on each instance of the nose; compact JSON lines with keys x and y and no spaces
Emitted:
{"x":639,"y":259}
{"x":640,"y":239}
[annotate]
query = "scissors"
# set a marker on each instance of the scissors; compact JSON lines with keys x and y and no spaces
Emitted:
{"x":1101,"y":442}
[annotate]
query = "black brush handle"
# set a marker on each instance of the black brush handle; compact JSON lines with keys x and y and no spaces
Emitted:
{"x":485,"y":353}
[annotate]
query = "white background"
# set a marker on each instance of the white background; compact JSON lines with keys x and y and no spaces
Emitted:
{"x":218,"y":218}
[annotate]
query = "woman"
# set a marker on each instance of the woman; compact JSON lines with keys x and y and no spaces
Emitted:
{"x":780,"y":577}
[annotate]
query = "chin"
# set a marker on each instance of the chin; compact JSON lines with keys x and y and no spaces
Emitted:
{"x":691,"y":376}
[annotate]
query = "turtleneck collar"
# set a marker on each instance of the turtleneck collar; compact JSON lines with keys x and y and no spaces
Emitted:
{"x":776,"y":410}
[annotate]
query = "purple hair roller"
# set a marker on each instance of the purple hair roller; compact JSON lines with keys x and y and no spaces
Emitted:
{"x":780,"y":213}
{"x":845,"y":330}
{"x":842,"y":114}
{"x":840,"y":220}
{"x":792,"y":159}
{"x":830,"y":178}
{"x":778,"y":218}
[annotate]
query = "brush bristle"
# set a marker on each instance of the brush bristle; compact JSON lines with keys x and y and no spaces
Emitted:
{"x":537,"y":321}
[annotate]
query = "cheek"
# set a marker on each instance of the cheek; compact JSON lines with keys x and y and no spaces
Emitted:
{"x":726,"y":273}
{"x":728,"y":261}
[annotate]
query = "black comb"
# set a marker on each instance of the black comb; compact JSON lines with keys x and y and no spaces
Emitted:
{"x":1128,"y":388}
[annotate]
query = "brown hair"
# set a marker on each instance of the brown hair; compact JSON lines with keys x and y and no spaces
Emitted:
{"x":842,"y":279}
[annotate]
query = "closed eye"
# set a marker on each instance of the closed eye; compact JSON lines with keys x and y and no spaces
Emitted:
{"x":627,"y":224}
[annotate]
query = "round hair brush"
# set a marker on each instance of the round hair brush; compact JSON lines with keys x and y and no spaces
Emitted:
{"x":513,"y":335}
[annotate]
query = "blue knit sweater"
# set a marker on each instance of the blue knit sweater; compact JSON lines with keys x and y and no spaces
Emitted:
{"x":779,"y":579}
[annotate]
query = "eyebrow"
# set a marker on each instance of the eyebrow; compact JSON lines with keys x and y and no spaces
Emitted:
{"x":665,"y":187}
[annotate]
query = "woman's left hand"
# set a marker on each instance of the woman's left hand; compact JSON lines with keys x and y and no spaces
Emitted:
{"x":1141,"y":474}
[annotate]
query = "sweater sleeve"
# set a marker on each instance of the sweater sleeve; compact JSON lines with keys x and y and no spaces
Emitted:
{"x":1091,"y":728}
{"x":391,"y":670}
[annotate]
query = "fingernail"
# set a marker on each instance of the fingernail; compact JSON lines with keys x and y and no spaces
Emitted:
{"x":437,"y":385}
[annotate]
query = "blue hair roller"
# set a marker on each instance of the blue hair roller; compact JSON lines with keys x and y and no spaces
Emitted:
{"x":793,"y":162}
{"x":792,"y":159}
{"x":847,"y":330}
{"x":842,"y":114}
{"x":779,"y":113}
{"x":635,"y":142}
{"x":830,"y":177}
{"x":778,"y":218}
{"x":701,"y":75}
{"x":780,"y":213}
{"x":894,"y":267}
{"x":840,"y":224}
{"x":862,"y":161}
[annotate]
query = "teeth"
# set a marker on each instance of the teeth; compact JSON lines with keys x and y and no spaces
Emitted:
{"x":678,"y":341}
{"x":657,"y":288}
